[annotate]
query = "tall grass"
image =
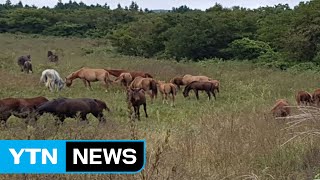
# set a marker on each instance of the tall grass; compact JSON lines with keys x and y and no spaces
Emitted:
{"x":233,"y":137}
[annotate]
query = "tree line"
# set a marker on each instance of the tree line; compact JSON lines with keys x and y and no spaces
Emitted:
{"x":277,"y":35}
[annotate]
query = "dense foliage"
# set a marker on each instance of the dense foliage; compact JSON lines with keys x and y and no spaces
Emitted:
{"x":265,"y":34}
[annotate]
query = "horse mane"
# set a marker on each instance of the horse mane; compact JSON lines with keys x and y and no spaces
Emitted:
{"x":75,"y":73}
{"x":115,"y":72}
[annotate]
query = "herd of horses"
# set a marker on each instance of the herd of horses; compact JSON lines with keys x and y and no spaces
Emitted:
{"x":303,"y":98}
{"x":137,"y":84}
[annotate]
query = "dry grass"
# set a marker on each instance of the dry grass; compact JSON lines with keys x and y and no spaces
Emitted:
{"x":231,"y":138}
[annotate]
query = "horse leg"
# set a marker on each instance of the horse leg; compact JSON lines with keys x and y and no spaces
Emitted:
{"x":145,"y":109}
{"x":89,"y":84}
{"x":214,"y":95}
{"x":136,"y":112}
{"x":197,"y":94}
{"x":209,"y":95}
{"x":173,"y":99}
{"x":162,"y":95}
{"x":151,"y":95}
{"x":166,"y":97}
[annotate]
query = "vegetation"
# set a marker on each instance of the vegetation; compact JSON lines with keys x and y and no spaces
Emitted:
{"x":269,"y":35}
{"x":232,"y":137}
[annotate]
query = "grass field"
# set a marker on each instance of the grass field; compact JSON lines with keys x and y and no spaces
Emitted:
{"x":234,"y":137}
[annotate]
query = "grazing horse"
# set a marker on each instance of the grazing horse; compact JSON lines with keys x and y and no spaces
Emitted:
{"x":89,"y":75}
{"x":125,"y":79}
{"x":27,"y":66}
{"x":217,"y":84}
{"x":19,"y":107}
{"x":316,"y":97}
{"x":146,"y":84}
{"x":177,"y":81}
{"x":134,"y":74}
{"x":52,"y":57}
{"x":69,"y":108}
{"x":281,"y":109}
{"x":136,"y":97}
{"x":52,"y":79}
{"x":166,"y":89}
{"x":22,"y":60}
{"x":186,"y":79}
{"x":202,"y":86}
{"x":304,"y":98}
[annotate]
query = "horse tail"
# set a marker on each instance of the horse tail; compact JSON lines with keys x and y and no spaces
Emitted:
{"x":153,"y":87}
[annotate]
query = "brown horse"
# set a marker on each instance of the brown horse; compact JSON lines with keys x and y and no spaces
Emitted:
{"x":136,"y":97}
{"x":316,"y":97}
{"x":146,"y":84}
{"x":202,"y":86}
{"x":304,"y":98}
{"x":19,"y":107}
{"x":166,"y":89}
{"x":89,"y":75}
{"x":125,"y":79}
{"x":65,"y":107}
{"x":281,"y":109}
{"x":134,"y":74}
{"x":186,"y":79}
{"x":177,"y":81}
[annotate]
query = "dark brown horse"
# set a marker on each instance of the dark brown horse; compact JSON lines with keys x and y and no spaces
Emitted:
{"x":19,"y":107}
{"x":177,"y":81}
{"x":27,"y":67}
{"x":52,"y":57}
{"x":137,"y":98}
{"x":65,"y":107}
{"x":22,"y":60}
{"x":196,"y":86}
{"x":134,"y":74}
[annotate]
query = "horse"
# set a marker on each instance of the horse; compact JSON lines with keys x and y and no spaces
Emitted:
{"x":19,"y":107}
{"x":217,"y":84}
{"x":177,"y":81}
{"x":304,"y":98}
{"x":69,"y":108}
{"x":186,"y":79}
{"x":316,"y":97}
{"x":134,"y":74}
{"x":166,"y":89}
{"x":202,"y":86}
{"x":89,"y":75}
{"x":52,"y":79}
{"x":27,"y":66}
{"x":136,"y":97}
{"x":281,"y":109}
{"x":146,"y":84}
{"x":125,"y":79}
{"x":52,"y":57}
{"x":22,"y":60}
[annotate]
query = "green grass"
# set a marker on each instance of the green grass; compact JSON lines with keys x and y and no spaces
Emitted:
{"x":232,"y":137}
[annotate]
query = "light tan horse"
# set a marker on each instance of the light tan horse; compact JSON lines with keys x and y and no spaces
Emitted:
{"x":147,"y":84}
{"x":166,"y":89}
{"x":125,"y":79}
{"x":89,"y":75}
{"x":187,"y":79}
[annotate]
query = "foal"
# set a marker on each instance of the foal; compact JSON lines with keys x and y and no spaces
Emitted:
{"x":166,"y":89}
{"x":136,"y":97}
{"x":202,"y":86}
{"x":27,"y":66}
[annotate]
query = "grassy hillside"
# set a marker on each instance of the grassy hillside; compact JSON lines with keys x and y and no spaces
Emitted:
{"x":232,"y":137}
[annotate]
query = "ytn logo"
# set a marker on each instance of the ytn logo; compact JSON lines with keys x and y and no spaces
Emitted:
{"x":80,"y":156}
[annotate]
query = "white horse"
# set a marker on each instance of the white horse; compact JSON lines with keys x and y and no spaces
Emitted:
{"x":52,"y":79}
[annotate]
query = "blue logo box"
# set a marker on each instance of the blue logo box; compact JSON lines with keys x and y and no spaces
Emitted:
{"x":53,"y":156}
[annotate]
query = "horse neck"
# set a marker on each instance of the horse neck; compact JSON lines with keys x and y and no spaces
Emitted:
{"x":73,"y":75}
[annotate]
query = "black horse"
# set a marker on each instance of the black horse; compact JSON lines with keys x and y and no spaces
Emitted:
{"x":65,"y":107}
